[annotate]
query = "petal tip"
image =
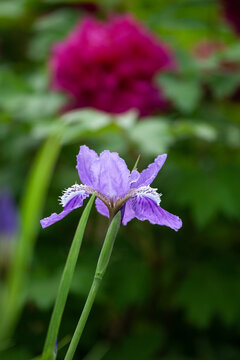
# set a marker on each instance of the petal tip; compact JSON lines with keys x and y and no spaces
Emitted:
{"x":161,"y":159}
{"x":83,"y":147}
{"x":178,"y":224}
{"x":46,"y":221}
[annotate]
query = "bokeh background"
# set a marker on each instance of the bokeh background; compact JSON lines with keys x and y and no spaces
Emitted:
{"x":166,"y":295}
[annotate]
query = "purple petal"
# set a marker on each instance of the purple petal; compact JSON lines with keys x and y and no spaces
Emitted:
{"x":129,"y":213}
{"x":148,"y":175}
{"x":147,"y":209}
{"x":54,"y":218}
{"x":101,"y":208}
{"x":85,"y":161}
{"x":72,"y":199}
{"x":113,"y":175}
{"x":134,"y":177}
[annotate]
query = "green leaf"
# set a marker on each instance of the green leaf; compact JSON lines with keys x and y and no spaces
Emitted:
{"x":126,"y":120}
{"x":12,"y":9}
{"x":65,"y":283}
{"x":86,"y":116}
{"x":189,"y":129}
{"x":29,"y":107}
{"x":185,"y":93}
{"x":152,"y":136}
{"x":81,"y":122}
{"x":32,"y":205}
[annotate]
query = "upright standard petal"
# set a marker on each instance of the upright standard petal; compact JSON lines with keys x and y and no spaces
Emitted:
{"x":85,"y":161}
{"x":135,"y":175}
{"x":114,"y":176}
{"x":146,"y":207}
{"x":71,"y":199}
{"x":148,"y":175}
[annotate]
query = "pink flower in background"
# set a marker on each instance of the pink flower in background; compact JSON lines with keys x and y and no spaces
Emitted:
{"x":111,"y":66}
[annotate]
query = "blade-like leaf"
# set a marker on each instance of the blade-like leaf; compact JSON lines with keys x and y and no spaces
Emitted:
{"x":63,"y":290}
{"x":33,"y":201}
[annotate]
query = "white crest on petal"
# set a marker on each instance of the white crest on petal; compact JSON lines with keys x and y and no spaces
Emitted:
{"x":149,"y":192}
{"x":72,"y":191}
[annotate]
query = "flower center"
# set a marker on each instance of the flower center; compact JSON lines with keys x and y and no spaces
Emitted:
{"x":113,"y":205}
{"x":144,"y":191}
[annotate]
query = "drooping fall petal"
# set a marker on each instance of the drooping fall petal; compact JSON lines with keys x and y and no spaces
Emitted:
{"x":146,"y":208}
{"x":72,"y":199}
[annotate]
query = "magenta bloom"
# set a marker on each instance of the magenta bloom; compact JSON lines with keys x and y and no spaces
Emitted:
{"x":111,"y":66}
{"x":116,"y":189}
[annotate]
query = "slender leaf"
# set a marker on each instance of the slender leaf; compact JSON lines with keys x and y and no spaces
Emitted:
{"x":65,"y":283}
{"x":32,"y":205}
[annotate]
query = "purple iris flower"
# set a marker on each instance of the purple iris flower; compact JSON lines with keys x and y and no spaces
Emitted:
{"x":116,"y":188}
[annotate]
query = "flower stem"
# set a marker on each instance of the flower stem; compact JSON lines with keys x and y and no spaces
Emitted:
{"x":102,"y":264}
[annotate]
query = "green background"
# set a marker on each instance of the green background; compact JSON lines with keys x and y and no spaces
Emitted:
{"x":166,"y":295}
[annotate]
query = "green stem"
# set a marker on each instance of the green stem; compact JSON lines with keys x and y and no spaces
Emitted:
{"x":64,"y":286}
{"x":100,"y":270}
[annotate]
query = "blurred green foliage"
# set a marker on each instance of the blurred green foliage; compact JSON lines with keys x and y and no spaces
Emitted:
{"x":165,"y":296}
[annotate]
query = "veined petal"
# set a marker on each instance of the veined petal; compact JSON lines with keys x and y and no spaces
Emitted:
{"x":146,"y":191}
{"x":113,"y":175}
{"x":129,"y":213}
{"x":148,"y":175}
{"x":52,"y":219}
{"x":145,"y":205}
{"x":71,"y":199}
{"x":86,"y":170}
{"x":101,"y":208}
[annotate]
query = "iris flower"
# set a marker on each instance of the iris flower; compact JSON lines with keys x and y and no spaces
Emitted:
{"x":117,"y":188}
